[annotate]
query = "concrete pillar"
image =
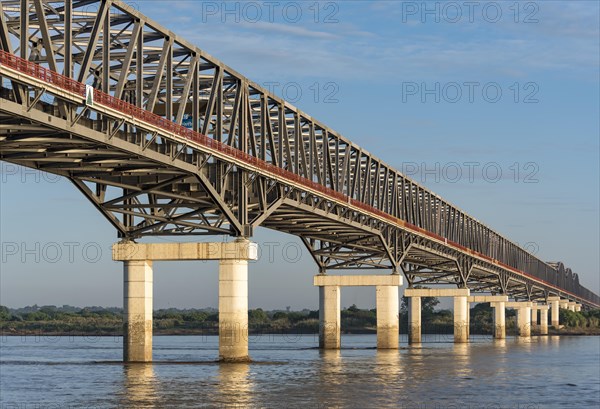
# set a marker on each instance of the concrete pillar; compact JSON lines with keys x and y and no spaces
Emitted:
{"x":388,"y":321}
{"x":388,"y":326}
{"x":572,"y":306}
{"x":233,"y":310}
{"x":544,"y":321}
{"x":414,"y":320}
{"x":330,"y":317}
{"x":233,"y":291}
{"x":499,"y":320}
{"x":461,"y":322}
{"x":534,"y":319}
{"x":578,"y":307}
{"x":524,"y":321}
{"x":137,"y":306}
{"x":555,"y":311}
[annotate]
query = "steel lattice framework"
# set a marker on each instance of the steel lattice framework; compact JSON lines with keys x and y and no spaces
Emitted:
{"x":250,"y":159}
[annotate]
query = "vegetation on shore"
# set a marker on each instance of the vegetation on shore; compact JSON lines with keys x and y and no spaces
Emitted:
{"x":69,"y":320}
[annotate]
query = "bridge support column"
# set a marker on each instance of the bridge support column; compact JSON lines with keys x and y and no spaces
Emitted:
{"x":534,"y":319}
{"x":329,"y":317}
{"x":554,"y":311}
{"x":233,"y":292}
{"x":542,"y":325}
{"x":414,"y":320}
{"x":497,"y":302}
{"x":544,"y":320}
{"x":572,"y":306}
{"x":388,"y":325}
{"x":137,"y":306}
{"x":233,"y":310}
{"x":577,"y":307}
{"x":388,"y":320}
{"x":524,"y":319}
{"x":461,"y":305}
{"x":499,"y":320}
{"x":461,"y":319}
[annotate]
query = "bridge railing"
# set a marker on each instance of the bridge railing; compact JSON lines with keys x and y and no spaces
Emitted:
{"x":35,"y":70}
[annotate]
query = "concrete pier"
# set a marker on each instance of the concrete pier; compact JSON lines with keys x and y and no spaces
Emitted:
{"x":388,"y":318}
{"x":461,"y":318}
{"x":540,"y":324}
{"x":233,"y":292}
{"x":329,"y":317}
{"x":414,"y":320}
{"x":499,"y":319}
{"x":544,"y":321}
{"x":534,"y":319}
{"x":137,"y":311}
{"x":496,"y":302}
{"x":233,"y":310}
{"x":577,"y":307}
{"x":523,"y":316}
{"x":524,"y":321}
{"x":572,"y":306}
{"x":554,"y":311}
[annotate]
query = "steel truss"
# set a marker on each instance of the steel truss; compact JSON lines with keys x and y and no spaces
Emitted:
{"x":147,"y":181}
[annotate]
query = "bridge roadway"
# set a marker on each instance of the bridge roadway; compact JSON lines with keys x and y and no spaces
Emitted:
{"x":250,"y":159}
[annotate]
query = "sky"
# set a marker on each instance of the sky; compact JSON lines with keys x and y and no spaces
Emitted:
{"x":492,"y":105}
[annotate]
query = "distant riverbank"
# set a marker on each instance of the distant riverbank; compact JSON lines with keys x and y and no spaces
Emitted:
{"x":45,"y":332}
{"x":100,"y":321}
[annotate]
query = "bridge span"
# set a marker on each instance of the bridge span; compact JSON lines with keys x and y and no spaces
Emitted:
{"x":97,"y":92}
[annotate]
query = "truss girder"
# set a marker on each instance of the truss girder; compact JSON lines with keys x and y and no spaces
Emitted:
{"x":156,"y":185}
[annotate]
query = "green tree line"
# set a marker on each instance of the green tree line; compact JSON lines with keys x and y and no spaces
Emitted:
{"x":108,"y":321}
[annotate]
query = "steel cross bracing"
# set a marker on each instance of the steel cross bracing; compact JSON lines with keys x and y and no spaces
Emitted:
{"x":272,"y":165}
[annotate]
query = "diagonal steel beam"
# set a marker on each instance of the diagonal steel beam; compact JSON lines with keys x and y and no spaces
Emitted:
{"x":91,"y":47}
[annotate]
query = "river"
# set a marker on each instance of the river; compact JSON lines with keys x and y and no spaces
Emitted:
{"x":290,"y":372}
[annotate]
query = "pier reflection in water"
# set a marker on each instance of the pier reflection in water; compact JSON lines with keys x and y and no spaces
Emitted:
{"x":235,"y":385}
{"x":139,"y":386}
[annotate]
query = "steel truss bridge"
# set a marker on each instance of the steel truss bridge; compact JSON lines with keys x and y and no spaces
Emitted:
{"x":251,"y":159}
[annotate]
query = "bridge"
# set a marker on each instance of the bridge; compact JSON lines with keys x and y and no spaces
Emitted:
{"x":98,"y":93}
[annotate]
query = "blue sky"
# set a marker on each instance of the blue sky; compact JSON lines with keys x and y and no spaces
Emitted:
{"x":372,"y":62}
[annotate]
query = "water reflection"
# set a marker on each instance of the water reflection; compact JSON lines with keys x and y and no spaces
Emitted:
{"x":525,"y":343}
{"x":331,"y":368}
{"x":139,"y":386}
{"x":332,"y":378}
{"x":235,"y":384}
{"x":500,"y":346}
{"x":388,"y":366}
{"x":554,"y":340}
{"x":462,"y":360}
